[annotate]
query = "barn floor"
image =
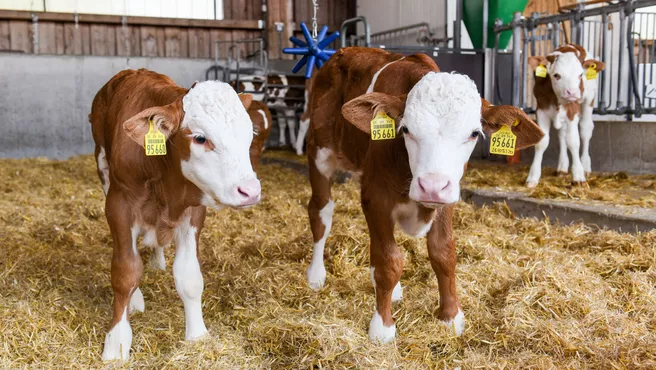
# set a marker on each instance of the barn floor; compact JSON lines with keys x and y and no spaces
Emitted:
{"x":535,"y":295}
{"x":612,"y":188}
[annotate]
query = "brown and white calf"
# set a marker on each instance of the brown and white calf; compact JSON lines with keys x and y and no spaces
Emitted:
{"x":286,"y":109}
{"x":207,"y":134}
{"x":565,"y":97}
{"x":412,"y":180}
{"x":305,"y":118}
{"x":261,"y":118}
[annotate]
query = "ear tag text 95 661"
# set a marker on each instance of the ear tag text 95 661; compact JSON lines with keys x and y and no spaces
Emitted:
{"x":503,"y":141}
{"x":383,"y":127}
{"x":155,"y":141}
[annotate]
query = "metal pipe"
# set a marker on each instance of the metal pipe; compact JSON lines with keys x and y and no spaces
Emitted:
{"x":457,"y":24}
{"x":485,"y":16}
{"x":602,"y":81}
{"x":516,"y":58}
{"x":620,"y":104}
{"x":356,"y":20}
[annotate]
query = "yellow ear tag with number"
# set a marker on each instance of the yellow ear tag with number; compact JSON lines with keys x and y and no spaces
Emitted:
{"x":383,"y":127}
{"x":503,"y":141}
{"x":541,"y":71}
{"x":591,"y":73}
{"x":155,"y":141}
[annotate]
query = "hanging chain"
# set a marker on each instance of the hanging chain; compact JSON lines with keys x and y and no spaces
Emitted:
{"x":314,"y":19}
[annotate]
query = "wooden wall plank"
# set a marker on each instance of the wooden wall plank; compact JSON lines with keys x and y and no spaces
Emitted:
{"x":103,"y":40}
{"x":160,"y":37}
{"x":5,"y":42}
{"x":148,"y":41}
{"x":123,"y":44}
{"x":176,"y":42}
{"x":72,"y":40}
{"x":59,"y":37}
{"x":199,"y":43}
{"x":220,"y":35}
{"x":85,"y":32}
{"x":20,"y":36}
{"x":47,"y":39}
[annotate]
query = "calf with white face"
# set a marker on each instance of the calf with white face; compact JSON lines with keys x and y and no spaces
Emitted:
{"x":413,"y":180}
{"x":565,"y":96}
{"x":207,"y":135}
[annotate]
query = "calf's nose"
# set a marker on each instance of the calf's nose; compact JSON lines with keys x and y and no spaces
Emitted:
{"x":249,"y":191}
{"x":434,"y":187}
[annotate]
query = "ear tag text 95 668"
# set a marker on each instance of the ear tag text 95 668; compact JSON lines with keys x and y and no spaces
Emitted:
{"x":383,"y":127}
{"x":155,"y":141}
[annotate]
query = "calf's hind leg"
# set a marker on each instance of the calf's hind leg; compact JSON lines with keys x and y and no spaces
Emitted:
{"x":320,"y":212}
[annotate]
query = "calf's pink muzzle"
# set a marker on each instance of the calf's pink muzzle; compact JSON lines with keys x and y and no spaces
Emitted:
{"x":249,"y":192}
{"x":435,"y":188}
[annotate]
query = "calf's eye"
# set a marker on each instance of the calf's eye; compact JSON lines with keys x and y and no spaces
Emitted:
{"x":404,"y":129}
{"x":556,"y":76}
{"x":199,"y":139}
{"x":474,"y":135}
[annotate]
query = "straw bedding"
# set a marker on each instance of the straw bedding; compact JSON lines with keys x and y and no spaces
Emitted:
{"x":610,"y":188}
{"x":535,"y":295}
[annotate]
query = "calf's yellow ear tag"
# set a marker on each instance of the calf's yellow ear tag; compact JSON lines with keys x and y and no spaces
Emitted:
{"x":155,"y":141}
{"x":541,"y":71}
{"x":383,"y":127}
{"x":591,"y":72}
{"x":503,"y":141}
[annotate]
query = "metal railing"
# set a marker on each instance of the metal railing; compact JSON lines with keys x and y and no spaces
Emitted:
{"x":417,"y":34}
{"x":618,"y":34}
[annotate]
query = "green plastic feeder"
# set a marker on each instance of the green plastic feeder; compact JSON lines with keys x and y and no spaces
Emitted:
{"x":472,"y":16}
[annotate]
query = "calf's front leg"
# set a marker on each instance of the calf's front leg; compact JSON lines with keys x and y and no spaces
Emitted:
{"x":387,"y":266}
{"x":187,"y":275}
{"x":127,"y":269}
{"x":442,"y":254}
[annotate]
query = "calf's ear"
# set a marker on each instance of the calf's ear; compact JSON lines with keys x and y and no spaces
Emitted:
{"x":493,"y":117}
{"x":534,"y":62}
{"x":246,"y":100}
{"x":599,"y":66}
{"x":361,"y":110}
{"x":166,"y":119}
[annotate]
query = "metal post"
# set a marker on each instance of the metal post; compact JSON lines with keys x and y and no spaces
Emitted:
{"x":456,"y":25}
{"x":602,"y":80}
{"x":485,"y":16}
{"x":556,"y":35}
{"x":517,"y":35}
{"x":620,"y":104}
{"x":446,"y":22}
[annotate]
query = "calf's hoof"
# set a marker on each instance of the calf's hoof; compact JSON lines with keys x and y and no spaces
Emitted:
{"x":316,"y":276}
{"x":197,"y":334}
{"x":531,"y":184}
{"x":378,"y":332}
{"x":580,"y":184}
{"x":456,"y":324}
{"x":118,"y":342}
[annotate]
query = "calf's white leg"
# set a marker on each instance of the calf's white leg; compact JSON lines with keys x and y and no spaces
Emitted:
{"x":300,"y":139}
{"x":282,"y":126}
{"x":544,"y":121}
{"x":290,"y":114}
{"x":563,"y":159}
{"x":573,"y":144}
{"x":189,"y":279}
{"x":587,"y":126}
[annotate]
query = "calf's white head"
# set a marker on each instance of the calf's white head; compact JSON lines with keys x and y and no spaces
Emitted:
{"x":566,"y":67}
{"x":209,"y":132}
{"x":440,"y":120}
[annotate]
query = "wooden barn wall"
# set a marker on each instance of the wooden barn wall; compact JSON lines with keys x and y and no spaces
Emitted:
{"x":167,"y":37}
{"x":106,"y":35}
